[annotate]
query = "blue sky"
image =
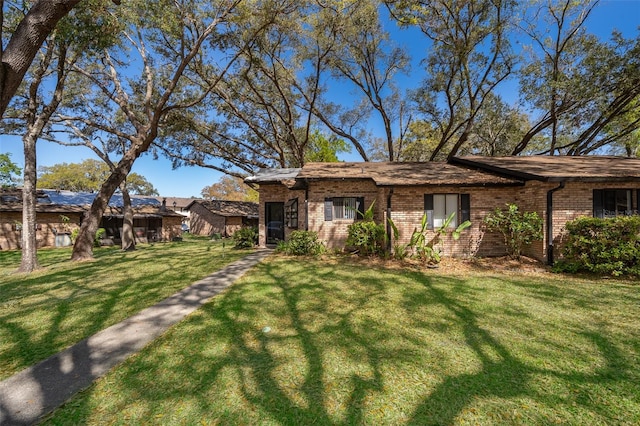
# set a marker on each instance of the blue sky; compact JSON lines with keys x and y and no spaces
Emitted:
{"x":623,"y":15}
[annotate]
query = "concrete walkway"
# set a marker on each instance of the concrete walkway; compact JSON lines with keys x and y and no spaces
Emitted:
{"x":38,"y":390}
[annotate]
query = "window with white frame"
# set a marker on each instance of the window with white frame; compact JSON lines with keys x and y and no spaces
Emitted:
{"x":438,"y":207}
{"x":343,"y":208}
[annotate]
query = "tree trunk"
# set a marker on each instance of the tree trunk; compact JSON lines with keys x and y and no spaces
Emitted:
{"x":29,"y":260}
{"x":25,"y":42}
{"x":83,"y":247}
{"x":128,"y":239}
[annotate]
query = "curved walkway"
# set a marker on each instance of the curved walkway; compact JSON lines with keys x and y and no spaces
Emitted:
{"x":38,"y":390}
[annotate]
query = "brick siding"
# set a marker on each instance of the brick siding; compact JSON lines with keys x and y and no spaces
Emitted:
{"x":48,"y":226}
{"x":407,"y":208}
{"x":205,"y":222}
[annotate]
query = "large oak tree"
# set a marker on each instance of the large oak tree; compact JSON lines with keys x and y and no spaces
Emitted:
{"x":182,"y":54}
{"x":77,"y":37}
{"x":25,"y":41}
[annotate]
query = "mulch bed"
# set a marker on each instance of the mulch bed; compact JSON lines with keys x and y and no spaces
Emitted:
{"x":455,"y":266}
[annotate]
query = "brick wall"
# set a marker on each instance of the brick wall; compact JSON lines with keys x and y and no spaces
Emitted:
{"x":204,"y":222}
{"x":407,"y":208}
{"x":573,"y":201}
{"x":48,"y":226}
{"x":171,"y":228}
{"x":334,"y":232}
{"x":232,"y":225}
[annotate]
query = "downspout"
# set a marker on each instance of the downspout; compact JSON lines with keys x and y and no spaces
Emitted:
{"x":550,"y":222}
{"x":306,"y":208}
{"x":389,"y":217}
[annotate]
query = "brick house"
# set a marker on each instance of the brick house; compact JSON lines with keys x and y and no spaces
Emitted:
{"x":324,"y":197}
{"x":178,"y":205}
{"x":210,"y":217}
{"x":58,"y":213}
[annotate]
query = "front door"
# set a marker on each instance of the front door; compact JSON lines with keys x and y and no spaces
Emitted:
{"x":274,"y":218}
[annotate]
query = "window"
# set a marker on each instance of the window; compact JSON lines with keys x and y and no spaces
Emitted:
{"x":438,"y":207}
{"x":291,"y":213}
{"x":614,"y":202}
{"x":343,"y":208}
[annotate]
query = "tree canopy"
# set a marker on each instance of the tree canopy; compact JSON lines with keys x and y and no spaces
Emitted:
{"x":230,"y":188}
{"x":8,"y":170}
{"x":25,"y":40}
{"x":88,"y":176}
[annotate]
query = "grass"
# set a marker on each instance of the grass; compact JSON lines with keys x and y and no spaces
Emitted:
{"x":311,"y":342}
{"x":65,"y":302}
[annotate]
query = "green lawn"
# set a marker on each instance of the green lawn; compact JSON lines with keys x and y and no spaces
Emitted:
{"x":53,"y":308}
{"x":353,"y":344}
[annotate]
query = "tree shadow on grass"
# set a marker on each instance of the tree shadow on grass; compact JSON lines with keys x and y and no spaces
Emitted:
{"x":227,"y":336}
{"x":43,"y":319}
{"x":237,"y":343}
{"x":502,"y":374}
{"x":261,"y":363}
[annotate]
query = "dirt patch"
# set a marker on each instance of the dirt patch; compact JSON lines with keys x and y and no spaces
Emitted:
{"x":502,"y":264}
{"x":454,"y":266}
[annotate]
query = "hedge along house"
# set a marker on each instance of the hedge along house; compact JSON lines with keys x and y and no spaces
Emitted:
{"x":324,"y":197}
{"x":58,"y":213}
{"x":221,"y":217}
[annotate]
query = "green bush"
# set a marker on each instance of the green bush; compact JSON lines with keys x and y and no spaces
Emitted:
{"x":302,"y":243}
{"x":366,"y":237}
{"x":246,"y":237}
{"x":517,"y":228}
{"x":426,"y":249}
{"x":603,"y":246}
{"x":100,"y":233}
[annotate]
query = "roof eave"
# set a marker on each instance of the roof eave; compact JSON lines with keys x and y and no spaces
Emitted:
{"x":465,"y":184}
{"x":496,"y":169}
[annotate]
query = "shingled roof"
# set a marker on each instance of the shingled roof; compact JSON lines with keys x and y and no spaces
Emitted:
{"x":273,"y":175}
{"x":404,"y":174}
{"x":558,"y":168}
{"x":229,"y":208}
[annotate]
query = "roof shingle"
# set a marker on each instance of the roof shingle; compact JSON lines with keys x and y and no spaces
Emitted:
{"x":404,"y":174}
{"x":230,"y":208}
{"x":558,"y":168}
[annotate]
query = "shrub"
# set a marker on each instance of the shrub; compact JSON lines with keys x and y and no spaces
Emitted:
{"x":602,"y":246}
{"x":246,"y":237}
{"x":366,"y":237}
{"x":426,"y":249}
{"x":100,"y":233}
{"x":517,"y":228}
{"x":302,"y":243}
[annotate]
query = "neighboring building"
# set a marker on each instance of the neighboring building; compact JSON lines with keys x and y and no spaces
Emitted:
{"x":179,"y":205}
{"x":58,"y":213}
{"x":325,"y":197}
{"x":221,"y":217}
